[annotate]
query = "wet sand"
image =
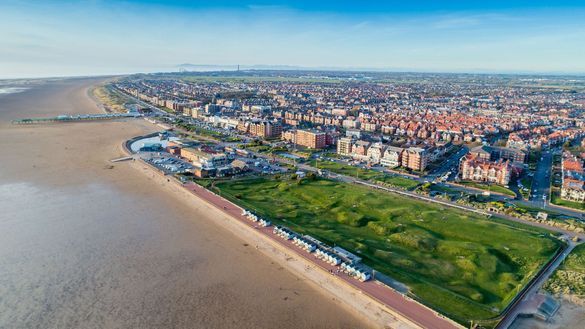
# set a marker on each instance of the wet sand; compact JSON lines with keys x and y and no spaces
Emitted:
{"x":86,"y":246}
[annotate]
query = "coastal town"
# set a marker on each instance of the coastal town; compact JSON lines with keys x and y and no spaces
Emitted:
{"x":493,"y":142}
{"x":172,"y":164}
{"x":525,"y":168}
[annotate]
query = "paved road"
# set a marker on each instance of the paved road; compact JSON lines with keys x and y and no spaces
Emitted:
{"x":541,"y":180}
{"x":406,"y":307}
{"x":450,"y":164}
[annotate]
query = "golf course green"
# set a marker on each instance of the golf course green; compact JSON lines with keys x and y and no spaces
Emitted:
{"x":464,"y":265}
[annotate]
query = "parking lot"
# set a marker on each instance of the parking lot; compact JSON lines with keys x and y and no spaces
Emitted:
{"x":166,"y":162}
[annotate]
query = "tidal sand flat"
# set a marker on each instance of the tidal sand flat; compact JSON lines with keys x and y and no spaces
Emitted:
{"x":87,"y":245}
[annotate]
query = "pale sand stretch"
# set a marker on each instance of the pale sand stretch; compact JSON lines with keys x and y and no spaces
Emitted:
{"x":86,"y":246}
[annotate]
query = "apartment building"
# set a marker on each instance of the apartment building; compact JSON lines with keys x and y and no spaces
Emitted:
{"x":263,"y":129}
{"x":573,"y":185}
{"x":492,"y":153}
{"x":415,"y":158}
{"x":375,"y":152}
{"x":392,"y":157}
{"x":478,"y":169}
{"x":344,"y":146}
{"x":311,"y":138}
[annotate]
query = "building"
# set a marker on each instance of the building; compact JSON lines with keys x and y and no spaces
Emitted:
{"x":478,"y":169}
{"x":359,"y":149}
{"x":344,"y":146}
{"x":375,"y":152}
{"x":392,"y":157}
{"x":573,"y":186}
{"x":263,"y":129}
{"x":415,"y":158}
{"x":493,"y":153}
{"x":203,"y":159}
{"x":312,"y":139}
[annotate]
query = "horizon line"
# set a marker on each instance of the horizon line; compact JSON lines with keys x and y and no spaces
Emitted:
{"x":292,"y":68}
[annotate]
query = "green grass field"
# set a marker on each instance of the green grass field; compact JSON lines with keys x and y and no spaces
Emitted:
{"x":367,"y":174}
{"x":464,"y":265}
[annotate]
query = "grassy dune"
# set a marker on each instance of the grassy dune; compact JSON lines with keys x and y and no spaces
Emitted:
{"x":569,"y":278}
{"x":463,"y":265}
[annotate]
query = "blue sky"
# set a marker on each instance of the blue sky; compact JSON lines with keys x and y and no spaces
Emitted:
{"x":61,"y":38}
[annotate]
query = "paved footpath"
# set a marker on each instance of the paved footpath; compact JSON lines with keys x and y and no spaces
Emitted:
{"x":398,"y":303}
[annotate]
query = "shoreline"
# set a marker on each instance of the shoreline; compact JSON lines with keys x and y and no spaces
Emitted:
{"x":355,"y":300}
{"x":84,"y":243}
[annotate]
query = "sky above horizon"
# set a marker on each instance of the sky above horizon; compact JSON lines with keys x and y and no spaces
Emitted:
{"x":98,"y":37}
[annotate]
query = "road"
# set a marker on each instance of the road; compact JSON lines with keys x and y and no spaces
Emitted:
{"x":450,"y":164}
{"x":541,"y":180}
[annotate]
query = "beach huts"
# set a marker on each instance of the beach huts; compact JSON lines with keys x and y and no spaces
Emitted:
{"x":348,"y":262}
{"x":251,"y":216}
{"x":304,"y":244}
{"x":328,"y":257}
{"x":283,"y":232}
{"x":356,"y":271}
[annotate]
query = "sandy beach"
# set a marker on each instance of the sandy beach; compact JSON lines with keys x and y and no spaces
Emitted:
{"x":85,"y":245}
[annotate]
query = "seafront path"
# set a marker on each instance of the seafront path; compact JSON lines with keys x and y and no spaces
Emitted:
{"x":393,"y":300}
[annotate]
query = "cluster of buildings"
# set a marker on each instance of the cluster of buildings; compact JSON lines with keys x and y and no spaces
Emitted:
{"x":407,"y":125}
{"x":573,"y":182}
{"x":207,"y":161}
{"x":492,"y":165}
{"x":544,"y":136}
{"x":416,"y":113}
{"x":415,"y":158}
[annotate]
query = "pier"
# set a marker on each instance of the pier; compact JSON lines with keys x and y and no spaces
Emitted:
{"x":74,"y":118}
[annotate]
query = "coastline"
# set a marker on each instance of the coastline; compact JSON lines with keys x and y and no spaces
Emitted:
{"x":353,"y":299}
{"x":85,"y":243}
{"x":343,"y":294}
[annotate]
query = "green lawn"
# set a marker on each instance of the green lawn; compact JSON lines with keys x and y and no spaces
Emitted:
{"x":555,"y":198}
{"x":569,"y":278}
{"x":462,"y":264}
{"x":367,"y":174}
{"x":490,"y":188}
